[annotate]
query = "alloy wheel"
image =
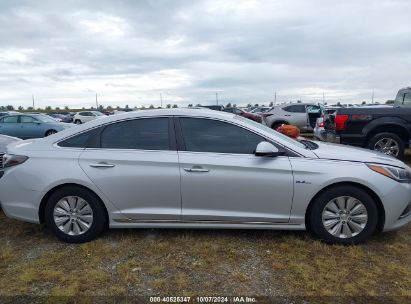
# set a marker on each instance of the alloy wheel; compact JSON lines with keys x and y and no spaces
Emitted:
{"x":344,"y":217}
{"x":387,"y":146}
{"x":73,"y":215}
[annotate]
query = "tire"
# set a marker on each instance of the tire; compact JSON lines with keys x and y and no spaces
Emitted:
{"x":77,"y":122}
{"x":381,"y":138}
{"x":316,"y":222}
{"x":275,"y":125}
{"x":97,"y":223}
{"x":50,"y":132}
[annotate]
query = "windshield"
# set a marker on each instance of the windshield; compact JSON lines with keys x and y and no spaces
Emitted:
{"x":45,"y":118}
{"x":271,"y":131}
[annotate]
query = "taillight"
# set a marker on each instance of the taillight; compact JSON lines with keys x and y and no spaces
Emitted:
{"x":321,"y":124}
{"x":10,"y":160}
{"x":340,"y":121}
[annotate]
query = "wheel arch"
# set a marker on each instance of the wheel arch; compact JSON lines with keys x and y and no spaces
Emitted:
{"x":48,"y":130}
{"x":375,"y":197}
{"x":400,"y":130}
{"x":45,"y":198}
{"x":279,"y":121}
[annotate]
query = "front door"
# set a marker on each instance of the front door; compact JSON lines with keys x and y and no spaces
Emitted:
{"x":30,"y":127}
{"x":222,"y":180}
{"x":136,"y":167}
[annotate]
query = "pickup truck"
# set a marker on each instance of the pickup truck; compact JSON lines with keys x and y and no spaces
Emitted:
{"x":385,"y":129}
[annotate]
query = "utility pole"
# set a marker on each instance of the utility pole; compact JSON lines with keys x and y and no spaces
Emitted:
{"x":96,"y":102}
{"x":32,"y":98}
{"x":161,"y":100}
{"x":216,"y":97}
{"x":372,"y":97}
{"x":323,"y":97}
{"x":275,"y":98}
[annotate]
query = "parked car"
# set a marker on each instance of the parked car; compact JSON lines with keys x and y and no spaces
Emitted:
{"x":183,"y":168}
{"x":61,"y":117}
{"x":259,"y":110}
{"x":384,"y":129}
{"x":30,"y":125}
{"x":320,"y":132}
{"x":245,"y":114}
{"x":214,"y":107}
{"x":301,"y":115}
{"x":86,"y":116}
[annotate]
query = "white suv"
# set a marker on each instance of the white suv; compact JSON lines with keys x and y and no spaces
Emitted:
{"x":82,"y":117}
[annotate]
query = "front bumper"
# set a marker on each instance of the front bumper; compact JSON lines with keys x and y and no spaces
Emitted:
{"x":396,"y":204}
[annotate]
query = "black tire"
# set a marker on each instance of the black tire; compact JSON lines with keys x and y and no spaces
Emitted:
{"x":99,"y":214}
{"x":388,"y":135}
{"x":275,"y":125}
{"x":315,"y":223}
{"x":50,"y":132}
{"x":77,"y":122}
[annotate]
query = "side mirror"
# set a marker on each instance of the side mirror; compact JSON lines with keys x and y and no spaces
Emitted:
{"x":264,"y":148}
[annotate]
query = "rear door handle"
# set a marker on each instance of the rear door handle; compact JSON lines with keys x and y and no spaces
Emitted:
{"x":102,"y":165}
{"x":196,"y":169}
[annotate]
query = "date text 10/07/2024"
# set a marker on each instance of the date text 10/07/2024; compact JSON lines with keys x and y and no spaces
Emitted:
{"x":205,"y":299}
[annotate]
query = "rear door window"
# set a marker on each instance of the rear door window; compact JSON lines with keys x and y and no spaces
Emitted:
{"x":141,"y":134}
{"x":295,"y":108}
{"x":10,"y":119}
{"x":79,"y":141}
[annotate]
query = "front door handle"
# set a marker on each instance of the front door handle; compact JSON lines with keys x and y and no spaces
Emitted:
{"x":102,"y":165}
{"x":196,"y":169}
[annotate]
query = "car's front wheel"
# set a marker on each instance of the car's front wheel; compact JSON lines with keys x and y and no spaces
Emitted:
{"x":77,"y":122}
{"x":343,"y":215}
{"x":75,"y":215}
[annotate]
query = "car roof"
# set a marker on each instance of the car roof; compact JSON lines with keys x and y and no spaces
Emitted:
{"x":203,"y":112}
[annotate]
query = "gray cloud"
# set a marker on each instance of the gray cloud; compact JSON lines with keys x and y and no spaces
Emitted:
{"x":131,"y":51}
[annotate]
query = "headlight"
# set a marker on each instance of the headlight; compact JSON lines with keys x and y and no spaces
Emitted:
{"x":398,"y":174}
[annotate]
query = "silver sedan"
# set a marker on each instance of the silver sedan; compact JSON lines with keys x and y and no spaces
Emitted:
{"x":197,"y":168}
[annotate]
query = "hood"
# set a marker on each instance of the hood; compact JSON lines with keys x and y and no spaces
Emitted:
{"x":348,"y":153}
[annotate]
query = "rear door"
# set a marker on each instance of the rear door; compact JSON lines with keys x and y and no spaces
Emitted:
{"x":297,"y":115}
{"x":222,"y":179}
{"x":135,"y":164}
{"x":9,"y":126}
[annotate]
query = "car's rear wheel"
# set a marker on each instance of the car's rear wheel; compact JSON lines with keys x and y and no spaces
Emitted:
{"x":387,"y":143}
{"x":77,"y":122}
{"x":50,"y":132}
{"x":343,"y":215}
{"x":75,"y":215}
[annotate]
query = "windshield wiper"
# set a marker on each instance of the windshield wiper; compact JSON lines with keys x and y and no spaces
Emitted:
{"x":308,"y":144}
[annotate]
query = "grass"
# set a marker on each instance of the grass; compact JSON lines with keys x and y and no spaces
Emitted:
{"x":201,"y":262}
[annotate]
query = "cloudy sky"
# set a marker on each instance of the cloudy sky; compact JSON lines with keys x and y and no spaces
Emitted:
{"x":64,"y":52}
